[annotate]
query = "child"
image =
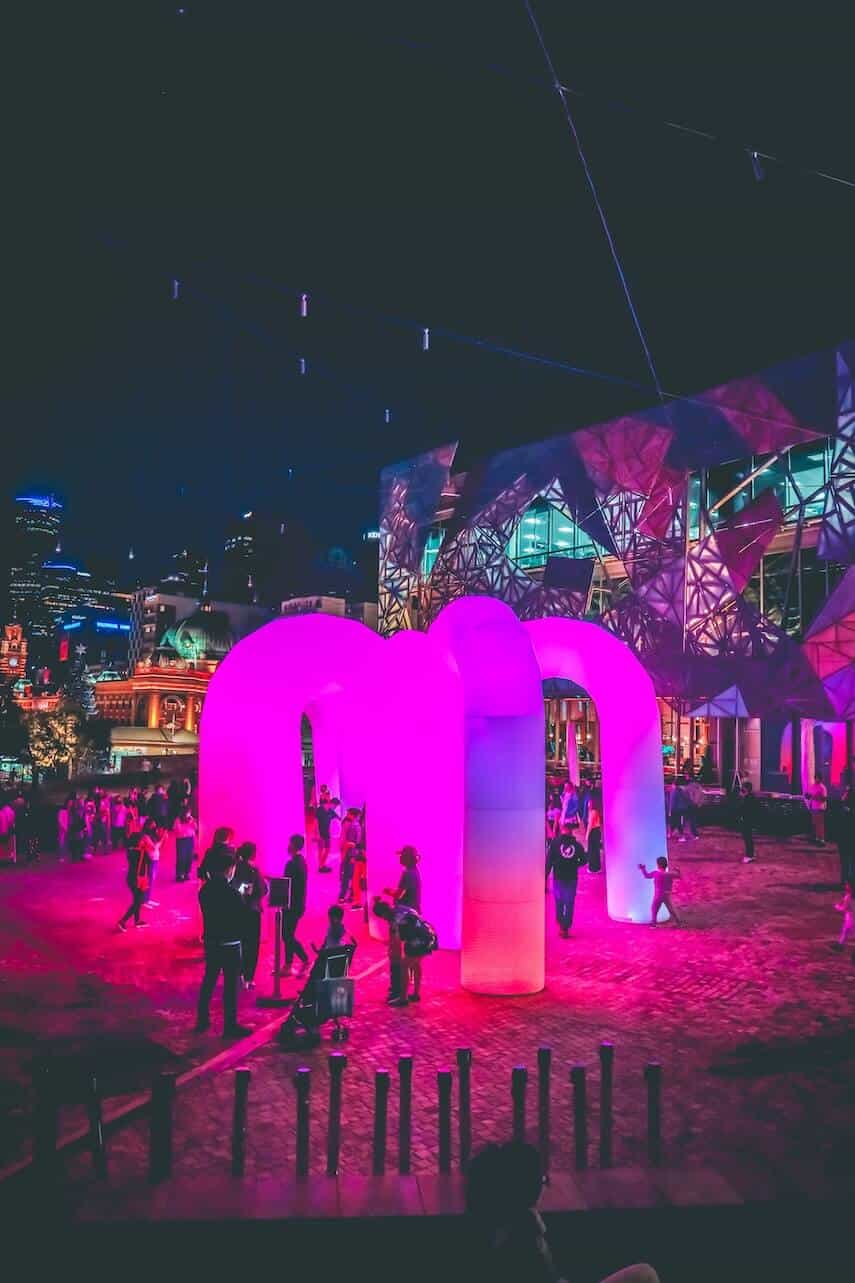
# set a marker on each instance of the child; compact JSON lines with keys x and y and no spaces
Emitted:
{"x":336,"y":933}
{"x":847,"y":908}
{"x":663,"y":881}
{"x":395,"y":953}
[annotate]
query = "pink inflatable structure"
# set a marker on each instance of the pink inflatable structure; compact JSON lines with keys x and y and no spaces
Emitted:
{"x":441,"y":737}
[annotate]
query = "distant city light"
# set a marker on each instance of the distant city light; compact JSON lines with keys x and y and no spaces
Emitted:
{"x":38,"y":500}
{"x":302,"y":365}
{"x":425,"y":339}
{"x":371,"y":535}
{"x":304,"y":305}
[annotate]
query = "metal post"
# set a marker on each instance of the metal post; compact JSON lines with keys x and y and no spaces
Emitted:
{"x":160,"y":1127}
{"x":607,"y":1062}
{"x":303,"y":1084}
{"x":464,"y":1105}
{"x":653,"y":1077}
{"x":242,"y":1077}
{"x":580,"y":1116}
{"x":443,"y":1079}
{"x":381,"y":1105}
{"x":276,"y":999}
{"x":519,"y":1081}
{"x":45,"y":1125}
{"x":337,"y":1064}
{"x":544,"y":1085}
{"x":405,"y":1113}
{"x":96,"y":1128}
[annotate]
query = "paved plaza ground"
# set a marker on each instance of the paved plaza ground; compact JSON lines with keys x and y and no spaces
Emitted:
{"x":746,"y":1006}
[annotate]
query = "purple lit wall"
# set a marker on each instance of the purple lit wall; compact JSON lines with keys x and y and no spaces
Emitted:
{"x":630,"y":750}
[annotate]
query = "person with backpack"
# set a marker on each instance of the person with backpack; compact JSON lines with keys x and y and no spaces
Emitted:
{"x":566,"y":858}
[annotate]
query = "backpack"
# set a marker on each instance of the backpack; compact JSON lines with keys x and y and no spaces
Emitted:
{"x":417,"y":936}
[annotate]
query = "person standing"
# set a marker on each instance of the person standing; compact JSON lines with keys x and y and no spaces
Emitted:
{"x":184,"y":830}
{"x":158,"y":807}
{"x":253,"y":887}
{"x":76,"y":828}
{"x":695,"y":799}
{"x":408,"y":895}
{"x":676,"y":806}
{"x":846,"y":836}
{"x":7,"y":832}
{"x":118,"y":819}
{"x":569,"y":805}
{"x":223,"y":914}
{"x":150,"y":842}
{"x":222,"y":842}
{"x":351,"y":836}
{"x":326,"y":813}
{"x":817,"y":803}
{"x":297,"y":870}
{"x":566,"y":858}
{"x":747,"y":815}
{"x":663,"y":884}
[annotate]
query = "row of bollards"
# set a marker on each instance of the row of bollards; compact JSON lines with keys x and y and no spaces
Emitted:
{"x":45,"y":1138}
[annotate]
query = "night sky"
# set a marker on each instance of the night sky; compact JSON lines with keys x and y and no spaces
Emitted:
{"x":406,"y":165}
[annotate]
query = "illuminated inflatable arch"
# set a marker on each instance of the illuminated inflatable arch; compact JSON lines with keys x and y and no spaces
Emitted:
{"x":441,"y":737}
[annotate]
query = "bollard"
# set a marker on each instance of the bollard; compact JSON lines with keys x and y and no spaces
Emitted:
{"x":653,"y":1077}
{"x":337,"y":1064}
{"x":45,"y":1125}
{"x":242,"y":1077}
{"x":160,"y":1127}
{"x":544,"y":1086}
{"x":519,"y":1082}
{"x":443,"y":1080}
{"x":607,"y":1065}
{"x":580,"y":1116}
{"x":303,"y":1084}
{"x":381,"y":1105}
{"x":405,"y":1113}
{"x":464,"y":1105}
{"x":96,"y":1128}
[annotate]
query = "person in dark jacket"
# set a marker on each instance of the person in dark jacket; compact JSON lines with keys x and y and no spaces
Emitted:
{"x":221,"y":845}
{"x":566,"y":858}
{"x":158,"y":807}
{"x":747,"y":815}
{"x":224,"y":914}
{"x":138,"y":879}
{"x":253,"y":887}
{"x":845,"y":835}
{"x":297,"y":870}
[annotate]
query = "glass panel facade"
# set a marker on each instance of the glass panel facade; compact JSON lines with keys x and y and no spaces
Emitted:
{"x":545,"y":531}
{"x":431,"y":549}
{"x":797,"y":477}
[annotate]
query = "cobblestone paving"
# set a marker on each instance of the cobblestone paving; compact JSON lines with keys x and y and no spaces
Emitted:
{"x":746,"y":1007}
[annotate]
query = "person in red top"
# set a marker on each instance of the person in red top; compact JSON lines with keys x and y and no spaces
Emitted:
{"x":663,"y":882}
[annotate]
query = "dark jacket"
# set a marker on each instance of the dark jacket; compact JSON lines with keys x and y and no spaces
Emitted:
{"x":749,"y":810}
{"x":566,"y":858}
{"x":204,"y":870}
{"x":297,"y":870}
{"x":223,"y":912}
{"x":158,"y":808}
{"x":248,"y":873}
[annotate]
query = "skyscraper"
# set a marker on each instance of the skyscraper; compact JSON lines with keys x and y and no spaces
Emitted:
{"x":36,"y":536}
{"x":187,"y":576}
{"x":255,"y":560}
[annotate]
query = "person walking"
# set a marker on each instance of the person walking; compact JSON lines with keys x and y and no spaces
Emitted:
{"x":297,"y":870}
{"x":663,"y":884}
{"x":223,"y":914}
{"x":253,"y":887}
{"x":566,"y":858}
{"x":817,"y":804}
{"x":747,"y":816}
{"x":184,"y":830}
{"x":139,"y":870}
{"x":594,"y":835}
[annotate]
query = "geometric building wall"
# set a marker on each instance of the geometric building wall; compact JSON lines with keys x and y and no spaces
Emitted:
{"x":708,"y":535}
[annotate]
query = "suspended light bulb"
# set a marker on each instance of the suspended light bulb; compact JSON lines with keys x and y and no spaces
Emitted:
{"x":302,"y":364}
{"x":388,"y":415}
{"x":304,"y":305}
{"x":425,"y":339}
{"x":176,"y":286}
{"x":130,"y":554}
{"x":756,"y":166}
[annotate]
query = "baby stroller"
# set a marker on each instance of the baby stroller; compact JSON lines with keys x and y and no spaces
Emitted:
{"x":326,"y":995}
